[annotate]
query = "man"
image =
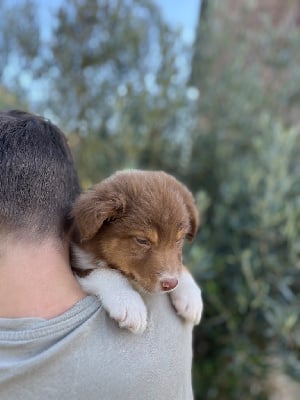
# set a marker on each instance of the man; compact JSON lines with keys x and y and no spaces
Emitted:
{"x":55,"y":341}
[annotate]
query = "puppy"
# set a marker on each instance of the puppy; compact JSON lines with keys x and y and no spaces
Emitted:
{"x":128,"y":238}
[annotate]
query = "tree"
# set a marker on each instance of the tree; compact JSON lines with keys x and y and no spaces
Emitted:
{"x":249,"y":144}
{"x":9,"y":100}
{"x":19,"y":45}
{"x":115,"y":83}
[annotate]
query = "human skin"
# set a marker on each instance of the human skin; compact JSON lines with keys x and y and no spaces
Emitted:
{"x":36,"y":278}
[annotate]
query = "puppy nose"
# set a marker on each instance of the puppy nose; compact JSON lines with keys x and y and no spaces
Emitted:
{"x":169,"y":284}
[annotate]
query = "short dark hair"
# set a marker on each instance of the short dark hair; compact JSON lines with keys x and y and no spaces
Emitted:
{"x":38,"y":180}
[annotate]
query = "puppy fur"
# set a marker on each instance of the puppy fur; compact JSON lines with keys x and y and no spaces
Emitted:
{"x":128,"y":234}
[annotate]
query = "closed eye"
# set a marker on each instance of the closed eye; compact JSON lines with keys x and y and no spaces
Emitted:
{"x":142,"y":241}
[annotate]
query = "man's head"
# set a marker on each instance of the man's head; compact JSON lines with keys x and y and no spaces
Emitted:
{"x":38,"y":181}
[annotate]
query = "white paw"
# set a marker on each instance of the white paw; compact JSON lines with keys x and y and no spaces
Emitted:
{"x":119,"y":299}
{"x":187,"y":299}
{"x":128,"y":309}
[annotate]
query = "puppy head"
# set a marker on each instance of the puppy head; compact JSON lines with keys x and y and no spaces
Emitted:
{"x":137,"y":221}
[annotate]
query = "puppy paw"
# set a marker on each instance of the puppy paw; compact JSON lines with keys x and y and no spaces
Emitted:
{"x":187,"y":299}
{"x":128,"y":310}
{"x":119,"y":299}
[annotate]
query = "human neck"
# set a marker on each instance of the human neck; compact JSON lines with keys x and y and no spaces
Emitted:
{"x":36,"y":279}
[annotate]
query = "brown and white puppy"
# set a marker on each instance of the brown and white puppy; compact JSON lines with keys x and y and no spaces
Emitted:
{"x":131,"y":229}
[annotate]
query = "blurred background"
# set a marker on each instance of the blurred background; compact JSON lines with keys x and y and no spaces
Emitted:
{"x":210,"y":92}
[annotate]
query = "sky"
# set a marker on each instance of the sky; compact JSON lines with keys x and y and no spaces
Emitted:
{"x":182,"y":13}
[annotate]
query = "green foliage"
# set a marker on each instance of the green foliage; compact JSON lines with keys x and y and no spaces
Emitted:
{"x":250,"y":270}
{"x":113,"y":76}
{"x":250,"y":242}
{"x":9,"y":100}
{"x":19,"y":44}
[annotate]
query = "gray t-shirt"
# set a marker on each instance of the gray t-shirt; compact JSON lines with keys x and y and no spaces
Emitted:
{"x":83,"y":354}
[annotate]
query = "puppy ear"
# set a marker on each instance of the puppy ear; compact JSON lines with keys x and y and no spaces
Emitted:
{"x":93,"y":208}
{"x":194,"y":216}
{"x":190,"y":204}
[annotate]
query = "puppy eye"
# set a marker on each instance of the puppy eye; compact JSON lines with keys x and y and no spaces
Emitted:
{"x":142,"y":241}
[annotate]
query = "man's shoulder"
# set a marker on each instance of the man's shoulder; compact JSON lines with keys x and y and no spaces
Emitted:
{"x":83,"y":351}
